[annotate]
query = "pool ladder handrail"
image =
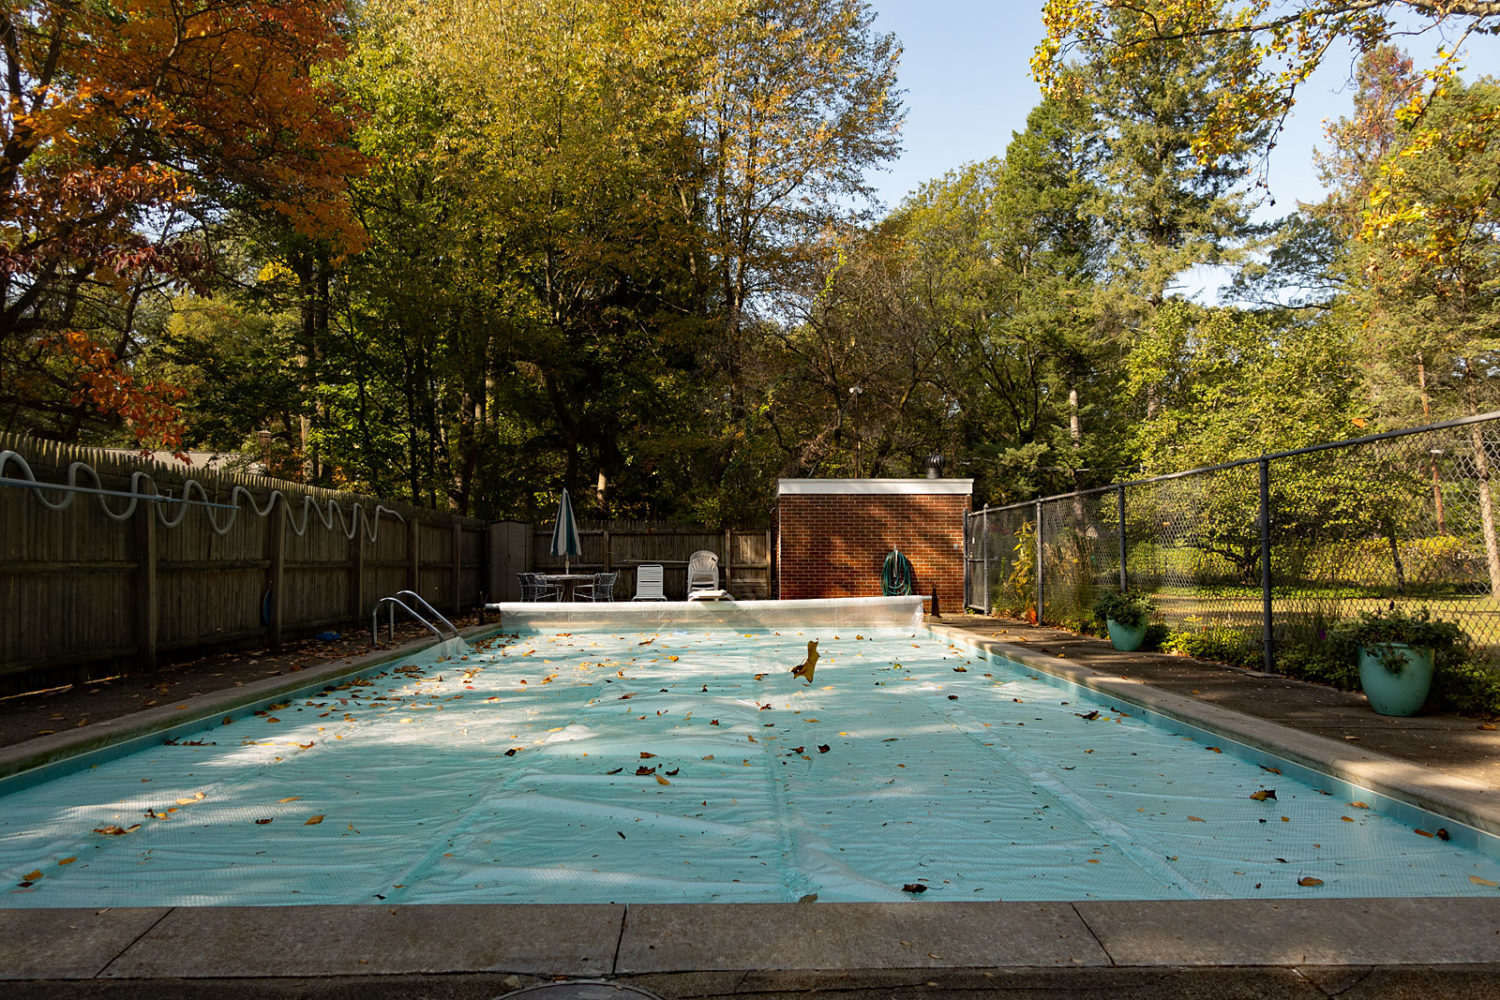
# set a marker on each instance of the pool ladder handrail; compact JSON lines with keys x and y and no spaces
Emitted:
{"x":392,"y":603}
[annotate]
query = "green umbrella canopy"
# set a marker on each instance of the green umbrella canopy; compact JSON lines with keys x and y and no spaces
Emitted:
{"x":565,"y":541}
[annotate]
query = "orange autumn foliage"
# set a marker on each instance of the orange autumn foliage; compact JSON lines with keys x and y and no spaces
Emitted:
{"x":123,"y":126}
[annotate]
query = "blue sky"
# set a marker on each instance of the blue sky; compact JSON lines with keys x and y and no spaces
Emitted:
{"x":966,"y":71}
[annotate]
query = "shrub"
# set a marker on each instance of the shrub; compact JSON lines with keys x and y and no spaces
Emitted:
{"x":1213,"y":642}
{"x":1156,"y":636}
{"x":1471,"y":688}
{"x":1320,"y":662}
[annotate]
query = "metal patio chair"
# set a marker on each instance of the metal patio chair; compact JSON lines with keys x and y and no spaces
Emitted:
{"x":536,"y":588}
{"x":601,"y":589}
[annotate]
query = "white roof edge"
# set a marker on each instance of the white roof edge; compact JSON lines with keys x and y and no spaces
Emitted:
{"x":963,"y":487}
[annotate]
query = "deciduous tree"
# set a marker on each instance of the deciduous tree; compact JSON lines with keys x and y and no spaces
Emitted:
{"x":124,"y":126}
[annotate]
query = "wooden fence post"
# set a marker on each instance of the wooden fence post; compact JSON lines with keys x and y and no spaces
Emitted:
{"x":728,"y":561}
{"x":458,"y":569}
{"x":357,"y":567}
{"x":413,"y":553}
{"x":147,"y":599}
{"x":606,"y":556}
{"x":276,"y":542}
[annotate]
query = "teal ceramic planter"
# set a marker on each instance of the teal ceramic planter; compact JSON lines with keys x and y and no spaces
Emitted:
{"x":1125,"y":638}
{"x":1395,"y":692}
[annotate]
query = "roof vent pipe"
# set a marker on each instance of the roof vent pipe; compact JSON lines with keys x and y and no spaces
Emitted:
{"x":934,"y":466}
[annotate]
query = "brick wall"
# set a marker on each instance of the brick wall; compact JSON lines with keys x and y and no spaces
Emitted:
{"x":834,"y":544}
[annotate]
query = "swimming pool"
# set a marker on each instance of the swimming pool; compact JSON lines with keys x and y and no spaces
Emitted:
{"x":687,"y":765}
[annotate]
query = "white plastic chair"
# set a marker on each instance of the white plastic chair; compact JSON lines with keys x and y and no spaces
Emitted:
{"x":702,"y":572}
{"x":648,"y":580}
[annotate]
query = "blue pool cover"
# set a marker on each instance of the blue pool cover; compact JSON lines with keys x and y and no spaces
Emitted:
{"x":691,"y":766}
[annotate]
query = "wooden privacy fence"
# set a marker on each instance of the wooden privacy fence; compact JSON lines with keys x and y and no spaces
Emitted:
{"x":140,"y":558}
{"x":746,"y":569}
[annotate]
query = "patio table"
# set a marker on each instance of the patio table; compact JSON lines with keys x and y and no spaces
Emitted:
{"x":567,"y":582}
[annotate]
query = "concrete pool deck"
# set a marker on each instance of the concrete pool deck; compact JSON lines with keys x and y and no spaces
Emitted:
{"x":1283,"y":948}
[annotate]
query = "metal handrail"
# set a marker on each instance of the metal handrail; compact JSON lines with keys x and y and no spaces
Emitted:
{"x":394,"y":603}
{"x":428,"y":607}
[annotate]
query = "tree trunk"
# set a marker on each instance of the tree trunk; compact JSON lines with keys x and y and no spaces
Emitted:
{"x":1388,"y":528}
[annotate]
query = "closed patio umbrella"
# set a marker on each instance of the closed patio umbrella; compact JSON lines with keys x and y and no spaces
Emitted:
{"x":565,"y":541}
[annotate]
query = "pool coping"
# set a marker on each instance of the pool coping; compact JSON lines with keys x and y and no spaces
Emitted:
{"x":860,"y":941}
{"x":622,"y":941}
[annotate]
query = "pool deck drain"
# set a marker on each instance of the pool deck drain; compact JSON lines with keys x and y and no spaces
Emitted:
{"x":1354,"y":948}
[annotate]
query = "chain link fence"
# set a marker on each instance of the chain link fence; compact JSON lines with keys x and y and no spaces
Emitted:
{"x":1270,"y":551}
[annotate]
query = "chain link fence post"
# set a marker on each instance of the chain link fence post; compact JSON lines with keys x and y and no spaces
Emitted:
{"x":1268,"y":640}
{"x":1039,"y":561}
{"x":1120,"y":495}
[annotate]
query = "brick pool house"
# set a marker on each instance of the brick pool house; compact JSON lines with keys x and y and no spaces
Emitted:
{"x":833,"y":535}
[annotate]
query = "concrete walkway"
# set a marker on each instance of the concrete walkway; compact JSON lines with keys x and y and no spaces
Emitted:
{"x":1200,"y":949}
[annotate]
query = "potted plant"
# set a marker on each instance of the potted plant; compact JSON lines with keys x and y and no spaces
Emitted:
{"x":1396,"y":654}
{"x":1126,"y":614}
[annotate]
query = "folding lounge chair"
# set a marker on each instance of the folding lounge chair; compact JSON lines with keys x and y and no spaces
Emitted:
{"x":648,"y":579}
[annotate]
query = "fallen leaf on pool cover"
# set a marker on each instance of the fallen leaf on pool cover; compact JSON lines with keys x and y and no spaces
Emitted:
{"x":1472,"y":878}
{"x":673,"y":773}
{"x":662,"y":781}
{"x":646,"y":756}
{"x":1347,"y":819}
{"x":615,"y":771}
{"x":822,"y":748}
{"x":1088,"y":717}
{"x":195,"y":797}
{"x":1214,"y":749}
{"x":314,"y":820}
{"x":1263,"y":794}
{"x":1358,"y":805}
{"x":1273,"y":770}
{"x":512,"y":751}
{"x":1308,"y":880}
{"x":806,"y":667}
{"x":1442,"y":833}
{"x":67,"y":861}
{"x":1422,"y":833}
{"x":116,"y":831}
{"x":914,"y":887}
{"x":643,"y":770}
{"x":672,"y":658}
{"x":263,"y":822}
{"x":1197,"y":819}
{"x":33,"y":876}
